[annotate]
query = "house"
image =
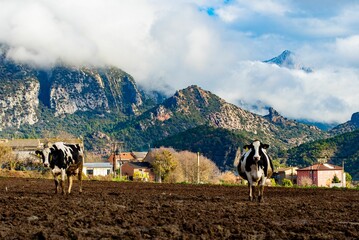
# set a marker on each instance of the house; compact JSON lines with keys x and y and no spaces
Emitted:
{"x":97,"y":169}
{"x":138,"y":171}
{"x":119,"y":158}
{"x":285,"y":173}
{"x":321,"y":175}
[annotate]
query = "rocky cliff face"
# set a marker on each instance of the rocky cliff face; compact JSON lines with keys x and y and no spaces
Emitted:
{"x":18,"y":102}
{"x":351,"y":125}
{"x":85,"y":89}
{"x":63,"y":90}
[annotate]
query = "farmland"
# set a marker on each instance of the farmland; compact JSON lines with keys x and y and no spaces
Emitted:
{"x":128,"y":210}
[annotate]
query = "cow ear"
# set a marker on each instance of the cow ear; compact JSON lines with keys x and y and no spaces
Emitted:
{"x":38,"y":153}
{"x":265,"y":146}
{"x":246,"y":147}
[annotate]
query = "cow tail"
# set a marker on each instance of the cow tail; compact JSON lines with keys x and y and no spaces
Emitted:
{"x":237,"y":158}
{"x":81,"y":165}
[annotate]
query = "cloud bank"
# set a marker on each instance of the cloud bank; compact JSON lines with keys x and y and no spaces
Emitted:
{"x":218,"y":45}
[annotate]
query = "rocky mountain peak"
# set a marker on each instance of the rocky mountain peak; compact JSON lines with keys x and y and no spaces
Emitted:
{"x":193,"y":98}
{"x":349,"y":126}
{"x":274,"y":117}
{"x":289,"y":60}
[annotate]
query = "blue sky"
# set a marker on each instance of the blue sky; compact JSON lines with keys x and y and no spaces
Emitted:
{"x":218,"y":45}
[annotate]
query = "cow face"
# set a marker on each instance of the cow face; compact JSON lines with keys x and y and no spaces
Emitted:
{"x":257,"y":149}
{"x":45,"y":155}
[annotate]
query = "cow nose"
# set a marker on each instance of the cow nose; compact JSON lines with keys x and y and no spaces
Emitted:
{"x":256,"y":159}
{"x":46,"y":164}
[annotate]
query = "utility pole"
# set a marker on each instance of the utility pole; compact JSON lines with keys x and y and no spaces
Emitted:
{"x":344,"y":180}
{"x":116,"y":151}
{"x":197,"y":167}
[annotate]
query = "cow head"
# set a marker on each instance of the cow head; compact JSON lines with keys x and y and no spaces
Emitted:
{"x":45,"y":155}
{"x":257,"y":150}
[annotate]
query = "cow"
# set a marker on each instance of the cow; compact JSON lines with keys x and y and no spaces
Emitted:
{"x":255,"y":166}
{"x":63,"y":159}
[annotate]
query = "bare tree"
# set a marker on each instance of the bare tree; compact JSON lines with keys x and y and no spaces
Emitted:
{"x":208,"y":171}
{"x":163,"y":161}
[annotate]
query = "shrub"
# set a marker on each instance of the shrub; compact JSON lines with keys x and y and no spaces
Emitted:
{"x":287,"y":182}
{"x":306,"y":181}
{"x":272,"y":182}
{"x":335,"y":179}
{"x":228,"y":178}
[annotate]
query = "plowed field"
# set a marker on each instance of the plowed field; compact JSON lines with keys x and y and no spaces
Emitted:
{"x":110,"y":210}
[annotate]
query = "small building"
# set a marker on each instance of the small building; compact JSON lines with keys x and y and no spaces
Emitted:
{"x":119,"y":158}
{"x":24,"y":149}
{"x":321,"y":175}
{"x":138,"y":171}
{"x":285,"y":173}
{"x":97,"y":169}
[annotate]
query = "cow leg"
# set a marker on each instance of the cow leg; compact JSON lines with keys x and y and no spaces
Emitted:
{"x":80,"y":174}
{"x":261,"y":190}
{"x":62,"y":181}
{"x":69,"y":180}
{"x":56,"y":184}
{"x":260,"y":196}
{"x":55,"y":175}
{"x":251,"y":187}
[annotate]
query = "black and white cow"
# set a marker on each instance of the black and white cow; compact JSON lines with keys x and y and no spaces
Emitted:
{"x":63,"y":159}
{"x":255,"y":166}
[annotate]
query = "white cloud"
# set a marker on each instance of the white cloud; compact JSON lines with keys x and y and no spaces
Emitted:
{"x":172,"y":44}
{"x":323,"y":95}
{"x":348,"y":49}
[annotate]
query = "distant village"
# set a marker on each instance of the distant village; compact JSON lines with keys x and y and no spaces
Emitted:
{"x":135,"y":165}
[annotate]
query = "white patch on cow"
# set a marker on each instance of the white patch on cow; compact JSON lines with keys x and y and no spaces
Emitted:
{"x":56,"y":171}
{"x":61,"y":146}
{"x":46,"y":153}
{"x":243,"y":163}
{"x":256,"y":146}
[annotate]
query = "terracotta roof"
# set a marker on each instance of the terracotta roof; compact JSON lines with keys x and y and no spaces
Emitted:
{"x":321,"y":167}
{"x":126,"y":156}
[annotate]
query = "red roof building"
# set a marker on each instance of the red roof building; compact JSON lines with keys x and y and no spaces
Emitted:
{"x":120,"y":158}
{"x":321,"y":175}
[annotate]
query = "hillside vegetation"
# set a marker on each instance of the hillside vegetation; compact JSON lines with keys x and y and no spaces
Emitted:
{"x":340,"y":149}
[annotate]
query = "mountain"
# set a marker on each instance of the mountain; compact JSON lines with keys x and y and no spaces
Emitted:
{"x":351,"y":125}
{"x":337,"y":150}
{"x":105,"y":104}
{"x":26,"y":93}
{"x":288,"y":59}
{"x":194,"y":110}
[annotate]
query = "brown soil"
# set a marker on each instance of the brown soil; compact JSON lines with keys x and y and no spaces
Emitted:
{"x":109,"y":210}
